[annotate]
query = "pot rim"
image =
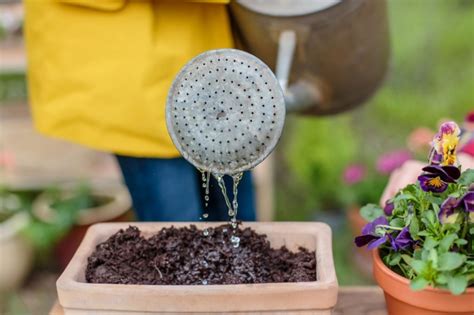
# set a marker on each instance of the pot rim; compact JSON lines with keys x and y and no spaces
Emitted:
{"x":395,"y":276}
{"x":119,"y":204}
{"x":14,"y":224}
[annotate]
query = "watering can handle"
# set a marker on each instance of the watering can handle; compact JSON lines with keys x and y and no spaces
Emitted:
{"x":301,"y":94}
{"x":286,"y":50}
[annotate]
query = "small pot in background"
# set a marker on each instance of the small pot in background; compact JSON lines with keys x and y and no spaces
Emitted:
{"x":401,"y":300}
{"x":114,"y":207}
{"x":362,"y":256}
{"x":16,"y":253}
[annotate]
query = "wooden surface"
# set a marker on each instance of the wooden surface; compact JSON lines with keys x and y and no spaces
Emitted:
{"x":367,"y":300}
{"x":351,"y":301}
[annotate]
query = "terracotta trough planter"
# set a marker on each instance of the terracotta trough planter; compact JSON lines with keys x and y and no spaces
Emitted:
{"x":317,"y":297}
{"x":401,"y":300}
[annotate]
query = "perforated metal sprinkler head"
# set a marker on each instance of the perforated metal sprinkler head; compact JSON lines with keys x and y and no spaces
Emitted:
{"x":225,"y":111}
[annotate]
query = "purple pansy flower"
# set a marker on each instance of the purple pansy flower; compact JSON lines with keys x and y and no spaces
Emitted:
{"x":388,"y":209}
{"x":466,"y":203}
{"x":371,"y":236}
{"x":390,"y":161}
{"x":444,"y":144}
{"x":436,"y":158}
{"x":436,"y":178}
{"x":402,"y":240}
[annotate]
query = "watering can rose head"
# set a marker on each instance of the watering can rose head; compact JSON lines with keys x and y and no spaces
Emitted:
{"x":424,"y":232}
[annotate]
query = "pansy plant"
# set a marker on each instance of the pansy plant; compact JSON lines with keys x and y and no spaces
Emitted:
{"x":426,"y":231}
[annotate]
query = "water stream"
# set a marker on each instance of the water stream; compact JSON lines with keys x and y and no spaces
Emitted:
{"x":232,"y":207}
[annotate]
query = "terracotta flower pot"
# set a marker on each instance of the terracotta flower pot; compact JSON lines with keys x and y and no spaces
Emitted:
{"x":362,"y":256}
{"x":401,"y":300}
{"x":114,"y":209}
{"x":318,"y":297}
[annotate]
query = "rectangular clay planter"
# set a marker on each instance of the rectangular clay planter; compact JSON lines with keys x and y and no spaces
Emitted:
{"x":317,"y":297}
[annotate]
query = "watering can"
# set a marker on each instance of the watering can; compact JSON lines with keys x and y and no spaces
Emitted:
{"x":328,"y":55}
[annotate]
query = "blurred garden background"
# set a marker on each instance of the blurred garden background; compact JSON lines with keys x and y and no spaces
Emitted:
{"x":326,"y":167}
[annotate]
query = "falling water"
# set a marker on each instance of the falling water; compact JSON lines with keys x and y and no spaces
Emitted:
{"x":205,"y":177}
{"x":232,"y":207}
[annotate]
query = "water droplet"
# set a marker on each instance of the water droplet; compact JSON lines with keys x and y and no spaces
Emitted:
{"x":206,"y":198}
{"x":235,"y":240}
{"x":205,"y":215}
{"x":224,"y":230}
{"x":205,"y":232}
{"x":204,"y":282}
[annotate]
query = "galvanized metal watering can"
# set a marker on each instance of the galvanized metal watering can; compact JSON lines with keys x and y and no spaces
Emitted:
{"x":226,"y":109}
{"x":329,"y":55}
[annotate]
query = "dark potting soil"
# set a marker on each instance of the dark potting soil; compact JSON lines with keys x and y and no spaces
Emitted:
{"x":185,"y":256}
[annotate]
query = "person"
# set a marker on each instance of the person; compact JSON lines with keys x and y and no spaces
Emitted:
{"x":98,"y":75}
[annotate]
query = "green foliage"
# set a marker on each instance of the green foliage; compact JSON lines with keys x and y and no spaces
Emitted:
{"x":467,"y":177}
{"x":12,"y":87}
{"x":66,"y":208}
{"x":370,"y":212}
{"x":10,"y":204}
{"x":368,"y":190}
{"x":317,"y":158}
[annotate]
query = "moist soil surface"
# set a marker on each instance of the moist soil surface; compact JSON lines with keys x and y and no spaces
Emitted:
{"x":183,"y":256}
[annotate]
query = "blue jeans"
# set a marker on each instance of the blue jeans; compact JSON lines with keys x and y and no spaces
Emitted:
{"x":171,"y":190}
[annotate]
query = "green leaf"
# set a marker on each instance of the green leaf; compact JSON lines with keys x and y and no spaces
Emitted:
{"x":434,"y":199}
{"x":460,"y":242}
{"x":414,"y":227}
{"x":405,"y":196}
{"x":407,"y":259}
{"x":430,"y":216}
{"x":467,"y":177}
{"x":447,"y":241}
{"x":397,"y":222}
{"x":430,"y":243}
{"x":371,"y":212}
{"x":419,"y":266}
{"x":395,"y":259}
{"x":450,"y":261}
{"x":441,"y":278}
{"x":417,"y":253}
{"x":419,"y":283}
{"x":433,"y":257}
{"x":457,"y":284}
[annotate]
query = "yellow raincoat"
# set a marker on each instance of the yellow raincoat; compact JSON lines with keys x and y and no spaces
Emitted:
{"x":99,"y":70}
